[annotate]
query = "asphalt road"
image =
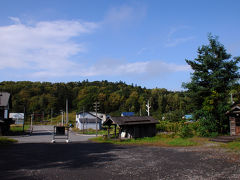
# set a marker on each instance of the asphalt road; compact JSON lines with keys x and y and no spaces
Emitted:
{"x":86,"y":160}
{"x":44,"y":134}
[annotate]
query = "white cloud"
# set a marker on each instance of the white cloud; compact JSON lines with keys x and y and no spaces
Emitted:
{"x":43,"y":46}
{"x":141,"y":51}
{"x":147,"y":69}
{"x":175,"y":41}
{"x":175,"y":36}
{"x":117,"y":16}
{"x":44,"y":51}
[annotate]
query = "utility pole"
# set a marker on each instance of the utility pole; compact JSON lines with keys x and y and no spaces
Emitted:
{"x":96,"y":108}
{"x":62,"y":116}
{"x":83,"y":119}
{"x":66,"y":111}
{"x":31,"y":129}
{"x":232,"y":98}
{"x":51,"y":115}
{"x":148,"y":108}
{"x":24,"y":114}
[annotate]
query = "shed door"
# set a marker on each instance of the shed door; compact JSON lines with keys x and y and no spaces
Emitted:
{"x":237,"y":130}
{"x":237,"y":126}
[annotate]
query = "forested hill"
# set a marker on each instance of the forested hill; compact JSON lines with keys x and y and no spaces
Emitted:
{"x":114,"y":98}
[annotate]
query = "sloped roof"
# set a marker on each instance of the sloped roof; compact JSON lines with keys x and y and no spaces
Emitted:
{"x":131,"y":120}
{"x":4,"y":98}
{"x":235,"y":109}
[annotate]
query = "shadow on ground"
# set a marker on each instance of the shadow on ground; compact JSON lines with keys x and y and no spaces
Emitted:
{"x":16,"y":159}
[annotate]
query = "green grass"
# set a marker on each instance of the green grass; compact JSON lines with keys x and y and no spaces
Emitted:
{"x":18,"y":130}
{"x":235,"y":146}
{"x":6,"y":141}
{"x":158,"y":140}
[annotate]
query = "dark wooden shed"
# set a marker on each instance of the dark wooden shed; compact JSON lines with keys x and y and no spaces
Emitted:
{"x":234,"y":119}
{"x":134,"y":126}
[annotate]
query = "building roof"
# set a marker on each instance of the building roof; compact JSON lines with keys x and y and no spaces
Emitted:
{"x":188,"y":116}
{"x":89,"y":120}
{"x":235,"y":109}
{"x":4,"y":99}
{"x":130,"y":120}
{"x":100,"y":115}
{"x":127,"y":114}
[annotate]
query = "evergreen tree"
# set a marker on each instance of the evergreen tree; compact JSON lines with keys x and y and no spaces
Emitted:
{"x":214,"y":74}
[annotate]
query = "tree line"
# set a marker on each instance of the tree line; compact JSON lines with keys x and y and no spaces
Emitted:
{"x":114,"y":98}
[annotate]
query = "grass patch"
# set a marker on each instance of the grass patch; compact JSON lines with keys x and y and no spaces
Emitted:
{"x":18,"y":130}
{"x":235,"y":146}
{"x":6,"y":141}
{"x":159,"y":140}
{"x":182,"y":142}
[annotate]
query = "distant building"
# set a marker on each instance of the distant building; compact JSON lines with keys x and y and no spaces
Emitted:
{"x":133,"y":126}
{"x":5,"y":121}
{"x":18,"y":118}
{"x":188,"y":118}
{"x":87,"y":120}
{"x":127,"y":114}
{"x":234,"y":119}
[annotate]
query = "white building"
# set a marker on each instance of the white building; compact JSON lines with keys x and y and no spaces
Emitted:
{"x":87,"y":120}
{"x":17,"y":117}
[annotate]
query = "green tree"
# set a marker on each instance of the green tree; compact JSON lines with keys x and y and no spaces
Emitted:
{"x":214,"y":74}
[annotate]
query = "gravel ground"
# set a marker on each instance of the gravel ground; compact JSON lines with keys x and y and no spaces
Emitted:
{"x":87,"y":160}
{"x":44,"y":134}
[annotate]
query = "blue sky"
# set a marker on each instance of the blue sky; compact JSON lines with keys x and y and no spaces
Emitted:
{"x":140,"y":42}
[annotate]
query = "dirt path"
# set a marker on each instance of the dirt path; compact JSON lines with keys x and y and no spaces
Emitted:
{"x":86,"y":160}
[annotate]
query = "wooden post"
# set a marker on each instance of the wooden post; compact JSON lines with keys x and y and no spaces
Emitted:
{"x":115,"y":130}
{"x":108,"y":130}
{"x":120,"y":130}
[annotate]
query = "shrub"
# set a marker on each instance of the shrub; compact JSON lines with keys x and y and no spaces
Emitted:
{"x":185,"y":131}
{"x":207,"y":126}
{"x":166,"y":126}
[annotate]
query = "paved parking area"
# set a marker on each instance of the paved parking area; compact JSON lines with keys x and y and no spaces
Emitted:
{"x":44,"y":134}
{"x":35,"y":157}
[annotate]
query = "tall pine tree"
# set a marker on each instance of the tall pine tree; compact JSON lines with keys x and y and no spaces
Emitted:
{"x":214,"y":74}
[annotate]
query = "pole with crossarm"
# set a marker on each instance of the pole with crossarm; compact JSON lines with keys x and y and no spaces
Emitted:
{"x":96,"y":108}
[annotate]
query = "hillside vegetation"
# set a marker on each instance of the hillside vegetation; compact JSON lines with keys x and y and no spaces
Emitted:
{"x":114,"y":98}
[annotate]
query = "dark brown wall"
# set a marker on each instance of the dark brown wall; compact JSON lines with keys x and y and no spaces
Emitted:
{"x":140,"y":131}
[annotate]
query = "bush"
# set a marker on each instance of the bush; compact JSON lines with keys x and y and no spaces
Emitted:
{"x":165,"y":126}
{"x":207,"y":126}
{"x":185,"y":131}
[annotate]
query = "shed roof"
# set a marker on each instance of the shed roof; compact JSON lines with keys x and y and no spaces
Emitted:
{"x":130,"y":120}
{"x":4,"y":99}
{"x":235,"y":109}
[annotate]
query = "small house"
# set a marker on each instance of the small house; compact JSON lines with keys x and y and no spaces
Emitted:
{"x":133,"y":126}
{"x":5,"y":121}
{"x":234,"y":119}
{"x":88,"y":120}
